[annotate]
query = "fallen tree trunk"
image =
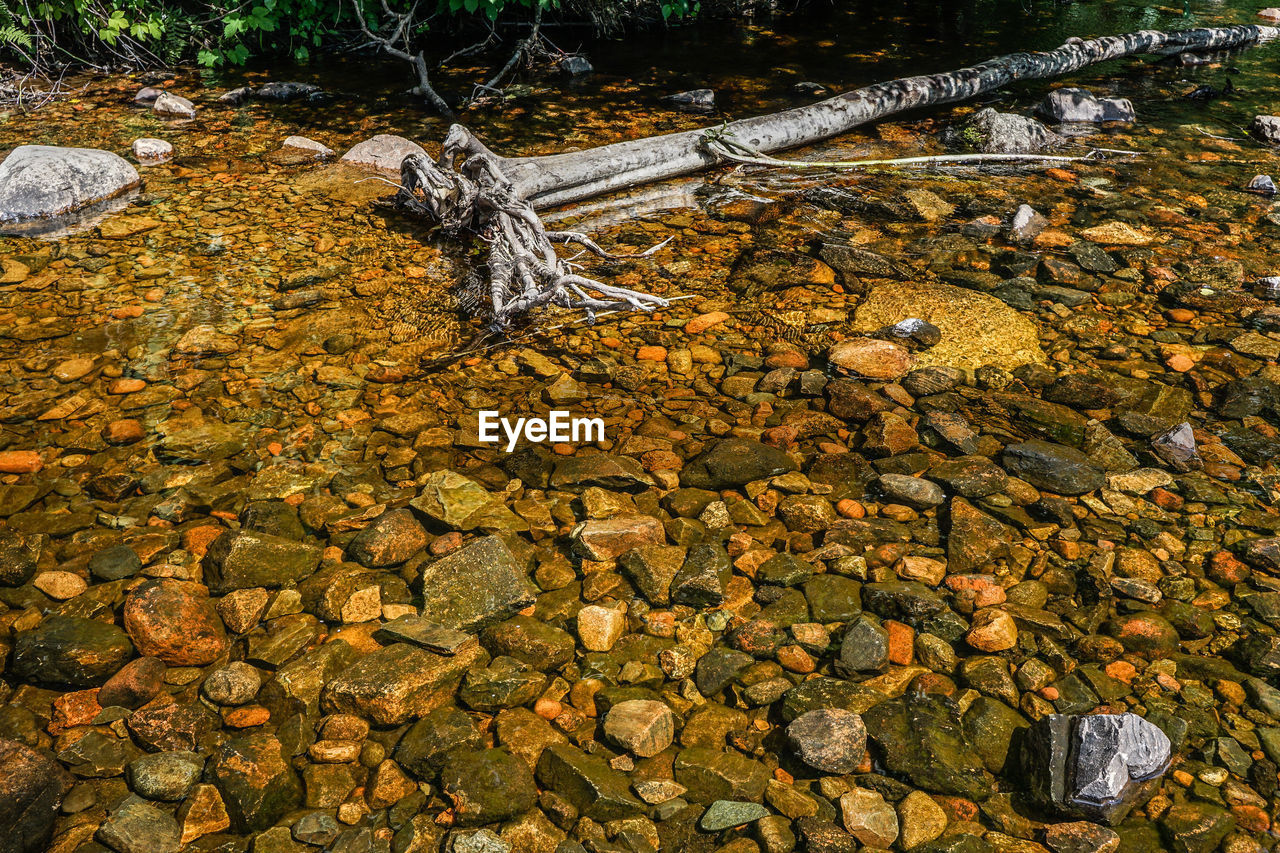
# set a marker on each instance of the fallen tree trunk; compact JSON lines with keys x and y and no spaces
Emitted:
{"x":469,"y":189}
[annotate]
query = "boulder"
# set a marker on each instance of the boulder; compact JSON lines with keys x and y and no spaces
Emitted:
{"x":38,"y":181}
{"x":302,"y":143}
{"x":1266,"y":128}
{"x":1005,"y":133}
{"x":1097,"y":767}
{"x":174,"y":105}
{"x":1078,"y":105}
{"x":70,"y":650}
{"x":152,"y":150}
{"x":383,"y":151}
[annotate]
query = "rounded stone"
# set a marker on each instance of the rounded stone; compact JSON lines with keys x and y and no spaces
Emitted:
{"x":165,"y":776}
{"x":234,"y":684}
{"x":832,"y":740}
{"x":993,"y":630}
{"x":176,"y":622}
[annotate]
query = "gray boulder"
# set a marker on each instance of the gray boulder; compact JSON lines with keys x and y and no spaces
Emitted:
{"x":1266,"y":128}
{"x":1097,"y":767}
{"x":40,"y":181}
{"x":1078,"y":105}
{"x":1004,"y":133}
{"x":383,"y":151}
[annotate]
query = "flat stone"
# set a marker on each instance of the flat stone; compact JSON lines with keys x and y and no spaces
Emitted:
{"x":831,"y":740}
{"x":476,"y":586}
{"x":32,"y":786}
{"x":70,"y":650}
{"x":138,"y":827}
{"x":398,"y":683}
{"x":257,"y":784}
{"x":727,"y":814}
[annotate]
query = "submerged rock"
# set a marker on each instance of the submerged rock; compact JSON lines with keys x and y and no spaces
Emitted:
{"x":1079,"y":105}
{"x":698,"y":99}
{"x":32,"y":786}
{"x":1096,"y":766}
{"x":383,"y":151}
{"x":1004,"y":133}
{"x":39,"y":181}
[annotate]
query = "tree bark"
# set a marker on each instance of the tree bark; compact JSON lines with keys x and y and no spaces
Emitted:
{"x":471,"y":189}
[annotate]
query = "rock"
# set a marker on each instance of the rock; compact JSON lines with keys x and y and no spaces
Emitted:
{"x":302,"y":143}
{"x":256,"y":783}
{"x":40,"y":181}
{"x":174,"y":105}
{"x":18,"y":556}
{"x":872,"y":358}
{"x":1097,"y":767}
{"x":147,"y":149}
{"x":476,"y":586}
{"x":139,"y":827}
{"x":236,"y":97}
{"x":704,"y":577}
{"x":695,"y":98}
{"x":32,"y":786}
{"x":463,"y":504}
{"x":642,"y":726}
{"x":398,"y":683}
{"x":831,"y":740}
{"x":1271,"y":13}
{"x":608,"y":538}
{"x":1266,"y":128}
{"x":134,"y":685}
{"x":993,"y":631}
{"x":1078,"y":105}
{"x":920,"y":820}
{"x":246,"y":559}
{"x":864,"y":647}
{"x":234,"y":684}
{"x":576,"y":65}
{"x":529,"y":640}
{"x":869,"y":819}
{"x":1053,"y":467}
{"x":176,"y":622}
{"x":147,"y":95}
{"x":287,"y":90}
{"x":164,"y":776}
{"x":652,"y":568}
{"x":393,"y":538}
{"x":487,"y":786}
{"x":1262,"y":184}
{"x":733,"y":462}
{"x":1116,"y":234}
{"x":383,"y":151}
{"x":600,"y":627}
{"x":1196,"y":827}
{"x":1026,"y":224}
{"x":607,"y":471}
{"x":70,"y":650}
{"x":921,"y":739}
{"x":977,"y":329}
{"x":710,"y":775}
{"x":1080,"y":836}
{"x":587,"y":782}
{"x":912,"y":491}
{"x":727,"y":814}
{"x":1005,"y":133}
{"x":1177,"y":447}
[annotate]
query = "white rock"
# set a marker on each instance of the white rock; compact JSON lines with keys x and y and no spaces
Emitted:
{"x":1027,"y":224}
{"x":321,"y":151}
{"x":382,"y":152}
{"x":1271,"y":14}
{"x":1079,"y":105}
{"x":174,"y":105}
{"x":152,"y":149}
{"x":44,"y":180}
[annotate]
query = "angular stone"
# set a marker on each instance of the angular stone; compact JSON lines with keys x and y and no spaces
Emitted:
{"x":1053,"y":467}
{"x":594,"y":788}
{"x":256,"y":783}
{"x":733,"y":462}
{"x":704,"y":577}
{"x":487,"y":786}
{"x":245,"y":559}
{"x":873,"y":359}
{"x":1097,"y":766}
{"x":711,"y":774}
{"x":165,"y":776}
{"x":32,"y":786}
{"x":727,"y":814}
{"x":138,"y":827}
{"x":606,"y":538}
{"x":868,"y":818}
{"x":1078,"y":105}
{"x":643,"y":726}
{"x":382,"y":151}
{"x":831,"y":740}
{"x":476,"y":586}
{"x":392,"y":539}
{"x":398,"y":683}
{"x":921,"y":739}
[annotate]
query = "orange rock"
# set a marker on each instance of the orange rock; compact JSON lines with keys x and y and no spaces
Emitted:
{"x":126,"y":385}
{"x":196,"y":540}
{"x":849,"y":508}
{"x":247,"y":717}
{"x":1062,"y":176}
{"x":651,"y":353}
{"x":1180,"y":315}
{"x":902,"y":640}
{"x":176,"y":622}
{"x":548,"y":709}
{"x":1179,"y":362}
{"x":796,"y":659}
{"x":126,"y":431}
{"x":1122,"y":670}
{"x":74,"y":709}
{"x":1251,"y":818}
{"x":20,"y":462}
{"x":701,"y":323}
{"x":788,"y":358}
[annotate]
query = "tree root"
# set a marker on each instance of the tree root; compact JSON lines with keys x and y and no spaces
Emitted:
{"x":524,"y":271}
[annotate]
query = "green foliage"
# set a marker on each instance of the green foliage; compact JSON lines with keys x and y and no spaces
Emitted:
{"x":220,"y":33}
